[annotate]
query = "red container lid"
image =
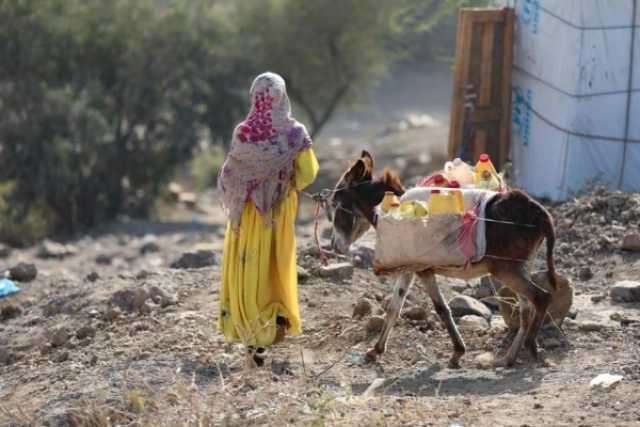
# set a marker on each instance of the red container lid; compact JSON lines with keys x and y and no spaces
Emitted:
{"x":438,"y":179}
{"x":484,"y":157}
{"x":454,"y":184}
{"x":435,"y":191}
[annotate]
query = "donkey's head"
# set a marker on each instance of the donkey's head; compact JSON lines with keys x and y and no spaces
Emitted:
{"x":351,"y":206}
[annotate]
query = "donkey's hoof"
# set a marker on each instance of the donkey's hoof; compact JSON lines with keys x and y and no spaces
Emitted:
{"x":371,"y":356}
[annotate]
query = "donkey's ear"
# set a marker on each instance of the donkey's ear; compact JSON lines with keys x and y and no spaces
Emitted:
{"x":367,"y":158}
{"x":358,"y":172}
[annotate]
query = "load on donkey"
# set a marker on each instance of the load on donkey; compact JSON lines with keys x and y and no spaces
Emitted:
{"x":510,"y":225}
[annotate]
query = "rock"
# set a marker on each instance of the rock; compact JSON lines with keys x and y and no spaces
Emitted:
{"x":551,"y":343}
{"x":303,"y":274}
{"x":92,"y":277}
{"x":631,"y":242}
{"x":142,"y":274}
{"x":471,"y":322}
{"x":6,"y":357}
{"x":462,"y":305}
{"x":50,"y":249}
{"x":59,"y":337}
{"x":161,"y":298}
{"x":104,"y":259}
{"x":326,"y":233}
{"x":375,"y":324}
{"x":10,"y":311}
{"x":363,"y":256}
{"x":199,"y":259}
{"x":188,"y":199}
{"x":85,"y":332}
{"x":61,"y":357}
{"x":590,"y":327}
{"x":149,"y":245}
{"x":130,"y":300}
{"x":340,"y":271}
{"x":23,"y":272}
{"x":487,"y":288}
{"x":415,"y":313}
{"x":585,"y":274}
{"x":362,"y":308}
{"x":5,"y":250}
{"x":112,"y":314}
{"x":561,"y":300}
{"x":484,"y":360}
{"x":625,"y":291}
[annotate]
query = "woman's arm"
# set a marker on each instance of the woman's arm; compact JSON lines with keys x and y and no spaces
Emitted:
{"x":306,"y":169}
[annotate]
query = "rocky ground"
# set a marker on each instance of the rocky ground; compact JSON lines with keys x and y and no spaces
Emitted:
{"x":118,"y":327}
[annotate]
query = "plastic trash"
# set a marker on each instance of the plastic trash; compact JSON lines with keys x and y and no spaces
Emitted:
{"x":457,"y":170}
{"x":605,"y":381}
{"x":7,"y":287}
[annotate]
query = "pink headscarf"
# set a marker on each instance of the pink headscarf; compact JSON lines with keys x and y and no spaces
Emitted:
{"x":260,"y":163}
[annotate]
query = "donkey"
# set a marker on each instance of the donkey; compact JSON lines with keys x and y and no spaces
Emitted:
{"x":509,"y":247}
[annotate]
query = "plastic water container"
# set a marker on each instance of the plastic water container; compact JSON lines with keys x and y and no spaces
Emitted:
{"x":457,"y":170}
{"x":457,"y":193}
{"x":488,"y":181}
{"x":389,"y":199}
{"x":443,"y":202}
{"x":412,"y":209}
{"x":484,"y":164}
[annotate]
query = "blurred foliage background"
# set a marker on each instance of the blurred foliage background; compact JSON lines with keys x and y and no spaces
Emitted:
{"x":101,"y":100}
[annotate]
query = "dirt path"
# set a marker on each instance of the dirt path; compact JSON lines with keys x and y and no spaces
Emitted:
{"x":135,"y":343}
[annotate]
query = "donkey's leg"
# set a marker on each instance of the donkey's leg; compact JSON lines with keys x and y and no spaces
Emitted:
{"x":428,"y":277}
{"x":400,"y":292}
{"x":516,"y":278}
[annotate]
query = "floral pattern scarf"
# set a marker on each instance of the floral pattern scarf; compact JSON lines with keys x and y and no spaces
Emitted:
{"x":260,"y":163}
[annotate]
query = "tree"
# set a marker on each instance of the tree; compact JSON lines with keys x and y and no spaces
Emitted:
{"x":326,"y":51}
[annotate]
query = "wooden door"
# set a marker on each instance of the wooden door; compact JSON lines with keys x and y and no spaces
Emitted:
{"x":481,"y":104}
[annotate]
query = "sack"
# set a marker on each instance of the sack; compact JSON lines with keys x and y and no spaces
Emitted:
{"x":442,"y":240}
{"x":417,"y":243}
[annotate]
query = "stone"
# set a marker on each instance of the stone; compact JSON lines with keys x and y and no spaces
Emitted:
{"x":92,"y":277}
{"x":85,"y":332}
{"x":462,"y":305}
{"x":112,"y":314}
{"x":631,"y":242}
{"x":104,"y":259}
{"x":551,"y":343}
{"x":362,"y":308}
{"x":5,"y":250}
{"x":49,"y":249}
{"x":585,"y":274}
{"x":487,"y":288}
{"x":363,"y":256}
{"x":415,"y":313}
{"x":59,"y":337}
{"x":6,"y":357}
{"x":303,"y":274}
{"x":590,"y":327}
{"x":61,"y":357}
{"x":23,"y":272}
{"x":375,"y":324}
{"x":471,"y":322}
{"x":339,"y":271}
{"x":149,"y":245}
{"x":484,"y":360}
{"x":130,"y":300}
{"x":10,"y":311}
{"x":161,"y":298}
{"x":193,"y":260}
{"x":625,"y":291}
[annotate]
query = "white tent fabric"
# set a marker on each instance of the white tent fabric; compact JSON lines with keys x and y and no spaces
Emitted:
{"x":576,"y":96}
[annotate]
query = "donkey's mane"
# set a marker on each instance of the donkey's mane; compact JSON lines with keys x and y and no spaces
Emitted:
{"x":391,"y":179}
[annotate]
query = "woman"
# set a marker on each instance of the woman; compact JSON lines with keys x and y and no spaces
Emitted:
{"x":270,"y":160}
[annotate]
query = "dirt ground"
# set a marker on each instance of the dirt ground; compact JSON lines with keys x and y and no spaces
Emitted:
{"x":110,"y":334}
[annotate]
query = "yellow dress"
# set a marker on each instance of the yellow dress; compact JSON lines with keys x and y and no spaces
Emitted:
{"x":259,"y":275}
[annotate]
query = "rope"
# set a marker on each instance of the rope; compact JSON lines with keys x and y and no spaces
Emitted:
{"x":316,"y":226}
{"x":569,"y":131}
